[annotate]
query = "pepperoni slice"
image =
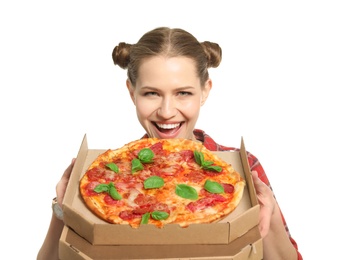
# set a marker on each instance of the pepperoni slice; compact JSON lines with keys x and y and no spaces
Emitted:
{"x":157,"y":148}
{"x":143,"y":200}
{"x":228,"y":188}
{"x":205,"y":202}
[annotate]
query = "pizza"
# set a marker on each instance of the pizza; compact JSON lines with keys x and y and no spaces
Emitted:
{"x":161,"y":181}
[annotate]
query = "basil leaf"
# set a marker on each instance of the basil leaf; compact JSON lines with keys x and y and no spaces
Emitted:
{"x":213,"y":187}
{"x":145,"y":155}
{"x":186,"y":192}
{"x":136,"y":165}
{"x":153,"y":182}
{"x":207,"y":163}
{"x":214,"y":168}
{"x":113,"y":192}
{"x":145,"y":218}
{"x":110,"y":188}
{"x":159,"y":215}
{"x":101,"y":188}
{"x":199,"y":157}
{"x":113,"y":167}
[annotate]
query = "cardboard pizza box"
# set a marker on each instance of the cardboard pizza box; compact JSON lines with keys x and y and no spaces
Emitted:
{"x":99,"y":232}
{"x":247,"y":247}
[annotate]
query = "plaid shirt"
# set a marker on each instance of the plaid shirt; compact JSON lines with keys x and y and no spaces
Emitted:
{"x":255,"y":165}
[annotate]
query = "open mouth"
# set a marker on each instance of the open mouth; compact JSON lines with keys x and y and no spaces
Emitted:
{"x":167,"y":128}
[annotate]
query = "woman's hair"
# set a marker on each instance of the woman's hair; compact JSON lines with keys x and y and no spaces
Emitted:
{"x":167,"y":42}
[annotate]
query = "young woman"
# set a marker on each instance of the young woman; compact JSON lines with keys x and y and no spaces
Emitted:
{"x":168,"y":82}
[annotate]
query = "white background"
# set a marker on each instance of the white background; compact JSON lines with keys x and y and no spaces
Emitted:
{"x":278,"y":87}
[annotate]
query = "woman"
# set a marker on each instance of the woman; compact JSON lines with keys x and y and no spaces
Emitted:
{"x":168,"y":82}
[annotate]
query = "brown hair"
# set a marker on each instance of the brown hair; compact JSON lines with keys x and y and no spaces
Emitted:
{"x":170,"y":43}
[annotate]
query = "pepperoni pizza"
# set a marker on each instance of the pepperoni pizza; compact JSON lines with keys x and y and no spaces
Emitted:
{"x":161,"y":181}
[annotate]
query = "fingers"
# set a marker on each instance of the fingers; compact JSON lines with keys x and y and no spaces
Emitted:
{"x":68,"y":170}
{"x":265,"y":220}
{"x":257,"y":182}
{"x":62,"y":184}
{"x":266,"y":202}
{"x":255,"y":178}
{"x":260,"y":186}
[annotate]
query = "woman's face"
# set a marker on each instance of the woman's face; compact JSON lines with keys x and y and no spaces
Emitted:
{"x":168,"y":97}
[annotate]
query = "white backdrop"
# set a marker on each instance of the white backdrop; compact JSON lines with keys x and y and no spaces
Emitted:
{"x":278,"y":87}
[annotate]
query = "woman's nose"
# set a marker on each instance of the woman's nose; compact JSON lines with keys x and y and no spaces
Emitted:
{"x":167,"y":109}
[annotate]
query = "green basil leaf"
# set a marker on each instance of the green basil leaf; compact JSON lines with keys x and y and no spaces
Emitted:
{"x":207,"y":163}
{"x":136,"y":165}
{"x":159,"y":215}
{"x":214,"y":168}
{"x":186,"y":192}
{"x":101,"y":188}
{"x":145,"y":218}
{"x":145,"y":155}
{"x":113,"y":167}
{"x":213,"y":187}
{"x":153,"y":182}
{"x":113,"y":192}
{"x":199,"y":157}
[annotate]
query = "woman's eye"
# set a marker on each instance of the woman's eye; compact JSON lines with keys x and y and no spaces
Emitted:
{"x":184,"y":93}
{"x":150,"y":93}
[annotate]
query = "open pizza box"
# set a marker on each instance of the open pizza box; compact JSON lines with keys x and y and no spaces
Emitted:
{"x":247,"y":247}
{"x":98,"y":232}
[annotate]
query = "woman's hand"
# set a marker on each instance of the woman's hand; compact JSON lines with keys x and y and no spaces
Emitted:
{"x":49,"y":249}
{"x":62,"y":184}
{"x":267,"y":204}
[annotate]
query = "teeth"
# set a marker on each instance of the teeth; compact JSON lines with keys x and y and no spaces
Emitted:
{"x":168,"y":126}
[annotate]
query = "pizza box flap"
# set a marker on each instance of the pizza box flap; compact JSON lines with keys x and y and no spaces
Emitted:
{"x":99,"y":232}
{"x":247,"y":247}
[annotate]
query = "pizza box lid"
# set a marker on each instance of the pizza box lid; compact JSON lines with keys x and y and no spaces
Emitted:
{"x":247,"y":247}
{"x":99,"y":232}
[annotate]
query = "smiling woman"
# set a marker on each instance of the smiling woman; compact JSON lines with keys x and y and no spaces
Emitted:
{"x":168,"y":82}
{"x":168,"y":96}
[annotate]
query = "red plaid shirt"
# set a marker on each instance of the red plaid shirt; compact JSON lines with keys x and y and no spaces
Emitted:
{"x":255,"y":165}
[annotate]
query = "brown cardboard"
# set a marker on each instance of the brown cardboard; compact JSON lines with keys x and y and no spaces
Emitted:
{"x":98,"y":232}
{"x":247,"y":247}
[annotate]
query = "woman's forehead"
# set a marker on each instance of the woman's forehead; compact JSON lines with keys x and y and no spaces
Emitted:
{"x":175,"y":70}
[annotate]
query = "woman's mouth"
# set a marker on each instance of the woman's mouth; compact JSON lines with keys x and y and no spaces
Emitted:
{"x":167,"y":128}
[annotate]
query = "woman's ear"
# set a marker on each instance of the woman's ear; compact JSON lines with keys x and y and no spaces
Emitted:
{"x":131,"y":90}
{"x":206,"y":91}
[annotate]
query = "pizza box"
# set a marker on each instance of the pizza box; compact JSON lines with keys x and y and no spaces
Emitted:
{"x":99,"y":232}
{"x":247,"y":247}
